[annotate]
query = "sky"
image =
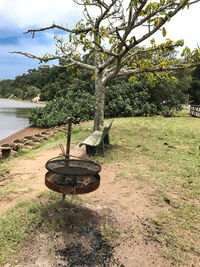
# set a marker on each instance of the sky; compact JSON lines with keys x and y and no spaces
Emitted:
{"x":17,"y":16}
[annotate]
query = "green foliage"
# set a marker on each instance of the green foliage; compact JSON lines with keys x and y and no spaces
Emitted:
{"x":71,"y":92}
{"x":31,"y":92}
{"x":49,"y":90}
{"x":6,"y":87}
{"x":77,"y":105}
{"x":125,"y":99}
{"x":122,"y":99}
{"x":194,"y":90}
{"x":141,"y":98}
{"x":113,"y":38}
{"x":49,"y":82}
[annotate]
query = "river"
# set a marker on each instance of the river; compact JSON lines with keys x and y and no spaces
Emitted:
{"x":13,"y":116}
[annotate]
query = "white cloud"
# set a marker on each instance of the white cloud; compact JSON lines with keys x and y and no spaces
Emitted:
{"x":20,"y":15}
{"x":38,"y":12}
{"x":184,"y":26}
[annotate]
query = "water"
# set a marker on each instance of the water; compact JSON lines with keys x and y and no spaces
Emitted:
{"x":13,"y":116}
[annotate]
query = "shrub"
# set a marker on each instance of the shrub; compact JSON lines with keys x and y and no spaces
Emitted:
{"x":58,"y":110}
{"x":122,"y":99}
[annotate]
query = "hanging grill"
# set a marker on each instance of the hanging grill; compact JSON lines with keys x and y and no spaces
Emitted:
{"x":71,"y":176}
{"x":72,"y":167}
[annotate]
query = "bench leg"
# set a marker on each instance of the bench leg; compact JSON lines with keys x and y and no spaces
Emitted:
{"x":107,"y":140}
{"x":100,"y":149}
{"x":91,"y":151}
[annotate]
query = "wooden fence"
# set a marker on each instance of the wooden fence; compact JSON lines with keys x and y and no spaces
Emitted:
{"x":195,"y":110}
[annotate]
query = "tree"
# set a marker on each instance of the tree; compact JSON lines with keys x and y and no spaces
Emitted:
{"x":6,"y":88}
{"x":113,"y":32}
{"x":194,"y":90}
{"x":31,"y":92}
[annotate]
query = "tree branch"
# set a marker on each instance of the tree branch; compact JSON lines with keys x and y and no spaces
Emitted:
{"x":101,"y":49}
{"x":153,"y":49}
{"x":53,"y":26}
{"x":67,"y":59}
{"x":41,"y":59}
{"x":124,"y":72}
{"x":107,"y":9}
{"x":151,"y":32}
{"x":135,"y":16}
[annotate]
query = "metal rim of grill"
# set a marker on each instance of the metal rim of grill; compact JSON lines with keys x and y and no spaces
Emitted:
{"x":52,"y":181}
{"x":72,"y":167}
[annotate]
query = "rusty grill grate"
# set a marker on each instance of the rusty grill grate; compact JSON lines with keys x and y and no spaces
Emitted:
{"x":72,"y":167}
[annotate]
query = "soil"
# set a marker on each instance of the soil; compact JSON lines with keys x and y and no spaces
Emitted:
{"x":125,"y":207}
{"x":20,"y":134}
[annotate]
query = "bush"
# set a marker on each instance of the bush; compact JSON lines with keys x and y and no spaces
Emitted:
{"x":58,"y":110}
{"x":123,"y":99}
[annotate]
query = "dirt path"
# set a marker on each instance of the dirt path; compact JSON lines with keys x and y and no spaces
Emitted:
{"x":129,"y":204}
{"x":28,"y":176}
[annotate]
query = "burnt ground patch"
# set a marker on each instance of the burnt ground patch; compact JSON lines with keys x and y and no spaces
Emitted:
{"x":88,"y":249}
{"x":72,"y":235}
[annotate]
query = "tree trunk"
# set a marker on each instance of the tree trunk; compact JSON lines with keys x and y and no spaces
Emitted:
{"x":99,"y":102}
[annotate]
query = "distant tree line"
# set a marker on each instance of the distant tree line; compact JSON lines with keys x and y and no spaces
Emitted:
{"x":194,"y":89}
{"x":71,"y":91}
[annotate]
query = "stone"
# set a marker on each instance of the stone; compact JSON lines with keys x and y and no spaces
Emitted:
{"x":5,"y":145}
{"x":38,"y":135}
{"x":19,"y":141}
{"x":29,"y":143}
{"x":14,"y":153}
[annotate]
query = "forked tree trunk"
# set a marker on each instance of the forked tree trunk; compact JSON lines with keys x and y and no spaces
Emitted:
{"x":99,"y":102}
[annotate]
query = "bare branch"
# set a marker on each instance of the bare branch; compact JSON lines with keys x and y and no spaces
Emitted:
{"x":57,"y":66}
{"x":155,"y":29}
{"x":53,"y":26}
{"x":124,"y":72}
{"x":193,"y":2}
{"x":109,"y":75}
{"x":54,"y":57}
{"x":101,"y":49}
{"x":103,"y":16}
{"x":123,"y":43}
{"x":132,"y":54}
{"x":88,"y":16}
{"x":102,"y":4}
{"x":41,"y":59}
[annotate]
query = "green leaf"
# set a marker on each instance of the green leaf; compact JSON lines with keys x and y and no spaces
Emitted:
{"x":164,"y":32}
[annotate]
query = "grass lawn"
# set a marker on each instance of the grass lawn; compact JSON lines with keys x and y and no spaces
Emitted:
{"x":165,"y":153}
{"x":162,"y":152}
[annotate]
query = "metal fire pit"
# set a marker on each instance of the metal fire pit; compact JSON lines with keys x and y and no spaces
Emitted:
{"x":72,"y":167}
{"x":71,"y":176}
{"x":81,"y":185}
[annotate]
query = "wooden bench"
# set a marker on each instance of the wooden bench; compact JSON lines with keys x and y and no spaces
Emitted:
{"x":97,"y":140}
